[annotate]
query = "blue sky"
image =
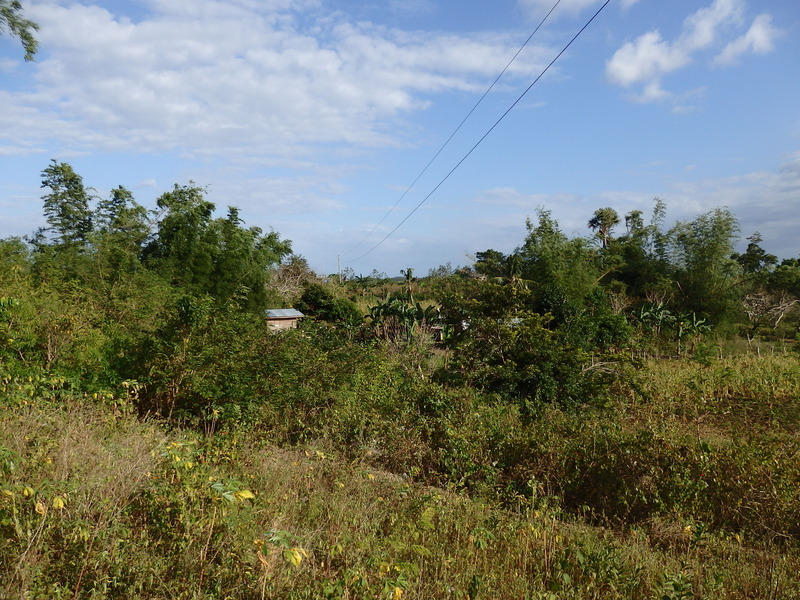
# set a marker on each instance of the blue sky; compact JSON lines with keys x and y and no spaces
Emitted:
{"x":314,"y":116}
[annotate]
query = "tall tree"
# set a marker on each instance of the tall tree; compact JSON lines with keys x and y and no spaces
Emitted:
{"x":755,"y":260}
{"x":212,"y":256}
{"x":12,"y":22}
{"x":554,"y":261}
{"x":705,"y":271}
{"x":603,"y":222}
{"x":644,"y":271}
{"x":410,"y":279}
{"x":489,"y":263}
{"x":66,"y":206}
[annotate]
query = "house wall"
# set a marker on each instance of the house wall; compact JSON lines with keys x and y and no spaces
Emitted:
{"x":281,"y":324}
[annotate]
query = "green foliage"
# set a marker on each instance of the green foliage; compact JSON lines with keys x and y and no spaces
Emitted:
{"x":66,"y":206}
{"x":755,"y":260}
{"x":316,"y":463}
{"x":706,"y":273}
{"x":504,"y":348}
{"x":96,"y":504}
{"x":603,"y":222}
{"x":211,"y":256}
{"x":396,"y":319}
{"x":12,"y":22}
{"x":320,"y":302}
{"x":550,"y":258}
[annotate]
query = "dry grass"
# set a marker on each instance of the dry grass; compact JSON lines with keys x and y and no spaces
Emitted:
{"x":150,"y":513}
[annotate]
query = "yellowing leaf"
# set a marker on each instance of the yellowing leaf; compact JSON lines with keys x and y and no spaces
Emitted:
{"x":294,"y":556}
{"x":397,"y":593}
{"x":262,"y":559}
{"x":41,"y":507}
{"x":58,"y":503}
{"x":244,"y":495}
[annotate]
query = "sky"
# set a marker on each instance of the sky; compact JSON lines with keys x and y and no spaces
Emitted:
{"x":323,"y":120}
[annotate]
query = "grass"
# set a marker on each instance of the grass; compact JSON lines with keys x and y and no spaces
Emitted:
{"x":97,"y":504}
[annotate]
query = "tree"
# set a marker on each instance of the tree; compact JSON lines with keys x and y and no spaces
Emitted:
{"x":410,"y":279}
{"x":211,"y":256}
{"x":554,"y":261}
{"x":66,"y":207}
{"x":755,"y":260}
{"x":319,"y":301}
{"x":643,"y":271}
{"x":503,"y":348}
{"x":705,"y":272}
{"x":603,"y":222}
{"x":12,"y":22}
{"x":510,"y":273}
{"x":489,"y":263}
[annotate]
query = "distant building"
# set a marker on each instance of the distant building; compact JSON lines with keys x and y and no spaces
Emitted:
{"x":279,"y":319}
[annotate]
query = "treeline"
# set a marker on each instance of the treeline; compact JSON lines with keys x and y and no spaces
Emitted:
{"x":656,"y":275}
{"x":171,"y":301}
{"x":110,"y":292}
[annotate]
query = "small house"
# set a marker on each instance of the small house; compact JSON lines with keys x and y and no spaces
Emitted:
{"x":279,"y":319}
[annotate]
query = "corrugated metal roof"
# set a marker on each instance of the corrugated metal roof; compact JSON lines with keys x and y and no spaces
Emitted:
{"x":283,"y":313}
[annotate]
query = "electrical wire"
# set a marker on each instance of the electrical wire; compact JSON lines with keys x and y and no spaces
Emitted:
{"x":460,"y":125}
{"x":485,"y":135}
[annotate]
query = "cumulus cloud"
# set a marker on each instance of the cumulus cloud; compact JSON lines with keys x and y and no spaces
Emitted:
{"x":645,"y":61}
{"x":211,"y":77}
{"x":759,"y":39}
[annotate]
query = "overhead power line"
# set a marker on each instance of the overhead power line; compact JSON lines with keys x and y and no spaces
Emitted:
{"x":485,"y":135}
{"x":460,"y":125}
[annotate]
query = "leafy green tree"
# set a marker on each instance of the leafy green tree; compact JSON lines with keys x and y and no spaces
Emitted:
{"x":504,"y":348}
{"x":603,"y":222}
{"x":705,"y":272}
{"x":121,"y":227}
{"x":786,"y":277}
{"x":219,"y":257}
{"x":489,"y":263}
{"x":319,"y":302}
{"x":66,"y":206}
{"x":755,"y":260}
{"x":554,"y":261}
{"x":244,"y":260}
{"x":182,"y":250}
{"x":12,"y":22}
{"x":643,"y":270}
{"x":509,"y":272}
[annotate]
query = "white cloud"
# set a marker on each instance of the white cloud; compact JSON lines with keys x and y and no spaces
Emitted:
{"x":646,"y":60}
{"x":702,"y":27}
{"x":541,"y":7}
{"x":759,"y":39}
{"x":229,"y":78}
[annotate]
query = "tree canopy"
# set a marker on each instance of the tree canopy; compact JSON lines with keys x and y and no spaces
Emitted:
{"x":13,"y":23}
